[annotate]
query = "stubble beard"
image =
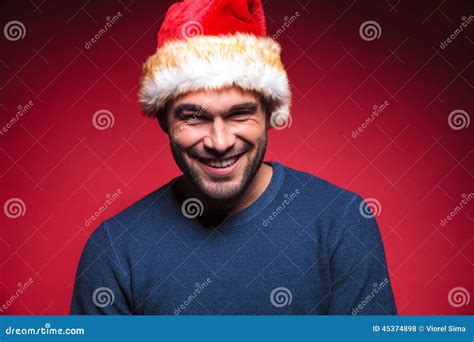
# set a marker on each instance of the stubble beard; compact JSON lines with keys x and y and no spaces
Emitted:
{"x":218,"y":190}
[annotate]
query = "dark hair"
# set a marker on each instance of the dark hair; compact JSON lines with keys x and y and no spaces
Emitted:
{"x":161,"y":116}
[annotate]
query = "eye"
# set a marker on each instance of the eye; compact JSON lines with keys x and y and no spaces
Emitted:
{"x":241,"y":115}
{"x":193,"y":118}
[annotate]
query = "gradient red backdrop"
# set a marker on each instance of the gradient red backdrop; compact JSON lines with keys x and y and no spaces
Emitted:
{"x":409,"y":158}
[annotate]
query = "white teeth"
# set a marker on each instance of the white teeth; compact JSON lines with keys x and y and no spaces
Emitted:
{"x":221,"y":163}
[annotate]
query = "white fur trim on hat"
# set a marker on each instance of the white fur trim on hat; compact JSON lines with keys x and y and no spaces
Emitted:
{"x":213,"y":62}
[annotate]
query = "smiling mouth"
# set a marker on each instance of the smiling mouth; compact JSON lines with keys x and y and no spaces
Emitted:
{"x":220,"y":163}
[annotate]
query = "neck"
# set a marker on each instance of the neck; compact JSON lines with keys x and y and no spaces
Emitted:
{"x":224,"y":207}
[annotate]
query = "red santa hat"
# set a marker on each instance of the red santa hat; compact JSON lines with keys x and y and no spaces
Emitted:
{"x":211,"y":44}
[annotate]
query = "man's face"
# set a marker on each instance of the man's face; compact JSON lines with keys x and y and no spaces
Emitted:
{"x":218,"y":139}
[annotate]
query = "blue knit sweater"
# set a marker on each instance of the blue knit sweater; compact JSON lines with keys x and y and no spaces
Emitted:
{"x":302,"y":248}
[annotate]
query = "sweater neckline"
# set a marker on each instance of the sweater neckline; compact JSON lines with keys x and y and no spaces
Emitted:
{"x":262,"y":201}
{"x":254,"y":209}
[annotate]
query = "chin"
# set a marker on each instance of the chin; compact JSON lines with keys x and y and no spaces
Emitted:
{"x":218,"y":191}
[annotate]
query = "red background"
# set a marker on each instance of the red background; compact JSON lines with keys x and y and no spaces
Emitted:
{"x":409,"y":158}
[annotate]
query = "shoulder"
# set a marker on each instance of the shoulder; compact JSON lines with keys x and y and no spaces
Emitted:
{"x":327,"y":209}
{"x":320,"y":193}
{"x":133,"y":226}
{"x":143,"y":209}
{"x":340,"y":216}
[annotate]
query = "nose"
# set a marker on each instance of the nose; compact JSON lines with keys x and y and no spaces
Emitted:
{"x":220,"y":138}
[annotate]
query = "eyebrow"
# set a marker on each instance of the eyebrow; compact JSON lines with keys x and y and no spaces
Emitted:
{"x":192,"y":107}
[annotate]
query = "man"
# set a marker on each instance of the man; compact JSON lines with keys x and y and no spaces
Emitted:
{"x":232,"y":234}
